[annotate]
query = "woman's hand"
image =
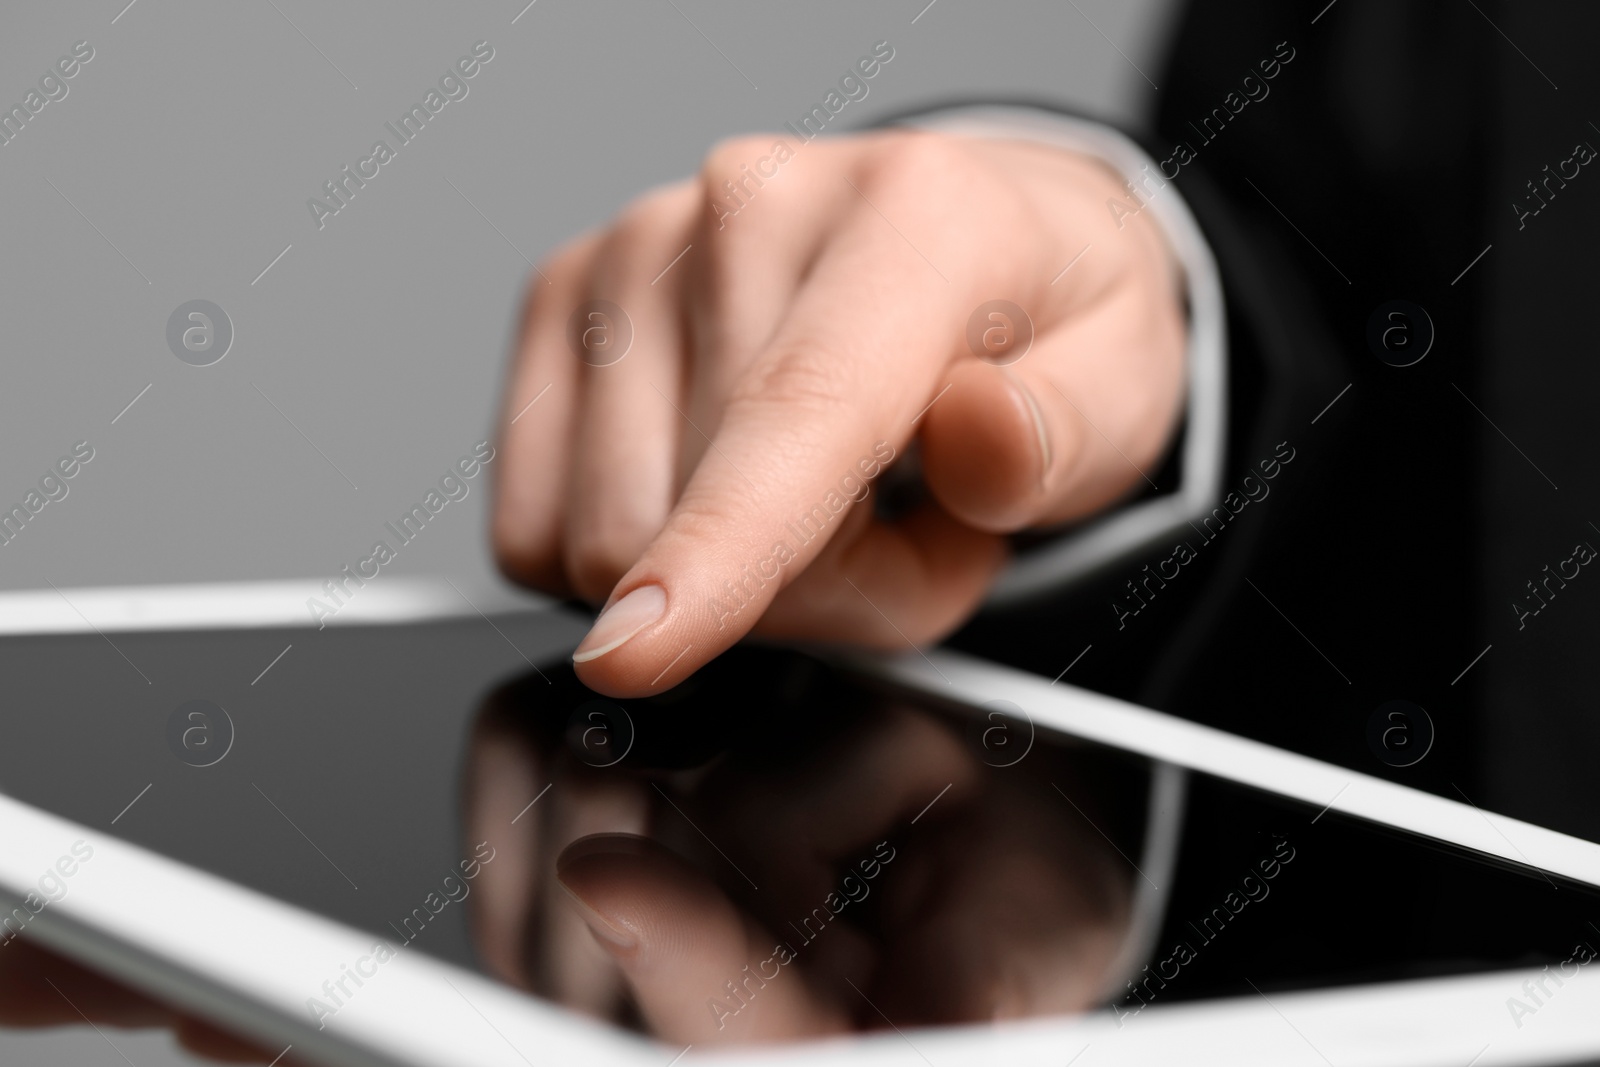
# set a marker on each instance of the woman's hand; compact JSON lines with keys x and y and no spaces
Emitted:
{"x":706,"y":393}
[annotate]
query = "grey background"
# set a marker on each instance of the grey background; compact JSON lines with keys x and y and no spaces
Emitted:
{"x":190,"y":144}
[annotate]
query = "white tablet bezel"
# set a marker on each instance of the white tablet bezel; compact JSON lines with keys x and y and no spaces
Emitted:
{"x":249,"y":962}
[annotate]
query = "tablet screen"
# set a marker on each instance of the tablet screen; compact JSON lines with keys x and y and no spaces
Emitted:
{"x":802,"y":854}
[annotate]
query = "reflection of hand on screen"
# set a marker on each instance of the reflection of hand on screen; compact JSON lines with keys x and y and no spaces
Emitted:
{"x":785,"y":893}
{"x":40,"y":989}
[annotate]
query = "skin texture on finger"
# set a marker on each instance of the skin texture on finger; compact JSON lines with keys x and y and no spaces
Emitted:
{"x":757,"y":240}
{"x":622,"y":468}
{"x":537,"y":424}
{"x":842,"y":381}
{"x":700,"y":971}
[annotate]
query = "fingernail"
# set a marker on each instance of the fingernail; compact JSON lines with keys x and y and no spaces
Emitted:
{"x":616,"y":938}
{"x":621,"y":621}
{"x":589,"y":856}
{"x":1040,"y":435}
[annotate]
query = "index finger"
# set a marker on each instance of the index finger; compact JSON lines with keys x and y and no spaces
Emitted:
{"x":823,"y":411}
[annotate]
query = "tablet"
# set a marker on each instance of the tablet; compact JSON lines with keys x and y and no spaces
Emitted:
{"x":386,"y":841}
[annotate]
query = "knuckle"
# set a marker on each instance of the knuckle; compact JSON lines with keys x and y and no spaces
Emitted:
{"x":727,"y":156}
{"x":647,"y":217}
{"x":808,"y":379}
{"x":698,"y":519}
{"x":567,"y":269}
{"x":636,"y":238}
{"x":742,"y":173}
{"x":918,"y":160}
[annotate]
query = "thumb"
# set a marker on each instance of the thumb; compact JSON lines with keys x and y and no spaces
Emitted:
{"x":1075,"y":424}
